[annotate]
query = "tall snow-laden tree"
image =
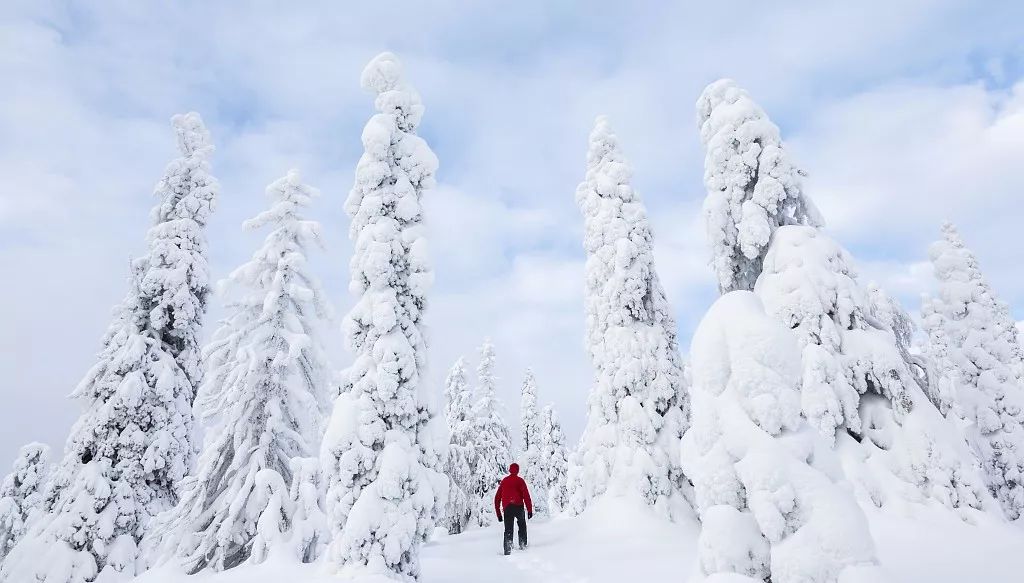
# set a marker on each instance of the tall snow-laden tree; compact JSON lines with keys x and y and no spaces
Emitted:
{"x":753,"y":186}
{"x":638,"y":408}
{"x":461,"y":457}
{"x":975,"y":344}
{"x":554,"y":462}
{"x":529,"y":419}
{"x":492,"y":443}
{"x":132,"y":446}
{"x":175,"y":285}
{"x":771,"y":496}
{"x":856,"y":384}
{"x":21,"y":494}
{"x":383,"y":450}
{"x":263,"y":401}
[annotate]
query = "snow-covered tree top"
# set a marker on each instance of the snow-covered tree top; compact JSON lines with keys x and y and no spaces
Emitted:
{"x":952,"y":259}
{"x":617,"y":238}
{"x":186,"y":190}
{"x":383,"y":73}
{"x":384,"y":76}
{"x":529,"y":392}
{"x":753,"y":187}
{"x":193,"y":136}
{"x":288,"y":196}
{"x":27,"y":474}
{"x":608,"y":172}
{"x":397,"y":165}
{"x":458,"y":397}
{"x":487,"y":400}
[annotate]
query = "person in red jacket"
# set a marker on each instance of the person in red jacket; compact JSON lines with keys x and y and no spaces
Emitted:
{"x":512,"y":494}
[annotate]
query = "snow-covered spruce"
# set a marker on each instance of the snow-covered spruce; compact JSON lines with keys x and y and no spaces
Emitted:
{"x":383,"y":450}
{"x":856,"y":387}
{"x":553,"y":462}
{"x":134,"y":443}
{"x":753,"y":186}
{"x":769,"y":492}
{"x":491,"y":439}
{"x":264,"y":401}
{"x":638,"y":408}
{"x":175,"y":285}
{"x":529,"y":453}
{"x":975,"y":345}
{"x":890,"y":314}
{"x":461,"y":456}
{"x":21,"y":493}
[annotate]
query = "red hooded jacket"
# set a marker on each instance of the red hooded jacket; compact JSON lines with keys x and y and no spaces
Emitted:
{"x":512,"y":490}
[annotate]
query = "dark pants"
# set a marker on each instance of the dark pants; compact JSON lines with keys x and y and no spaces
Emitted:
{"x":517,"y":513}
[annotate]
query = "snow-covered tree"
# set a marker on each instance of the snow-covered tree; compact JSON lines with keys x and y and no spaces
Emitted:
{"x":553,"y":462}
{"x":753,"y":186}
{"x":890,"y":314}
{"x":263,"y":400}
{"x":638,"y":408}
{"x":21,"y":493}
{"x":308,"y":522}
{"x":492,"y":443}
{"x":975,"y":344}
{"x":132,"y":446}
{"x":383,"y":450}
{"x":529,"y":419}
{"x":771,"y":498}
{"x":461,"y":457}
{"x":176,"y":283}
{"x":856,"y":384}
{"x":458,"y":396}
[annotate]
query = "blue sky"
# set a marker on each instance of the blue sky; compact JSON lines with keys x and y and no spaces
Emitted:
{"x":904,"y":114}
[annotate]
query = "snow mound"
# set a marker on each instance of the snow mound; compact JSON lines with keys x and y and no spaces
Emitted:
{"x":771,"y":497}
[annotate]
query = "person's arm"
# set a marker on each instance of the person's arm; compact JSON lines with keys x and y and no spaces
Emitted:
{"x":526,"y":498}
{"x":497,"y":500}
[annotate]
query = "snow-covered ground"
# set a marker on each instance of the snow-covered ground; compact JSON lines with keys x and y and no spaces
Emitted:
{"x":619,"y":542}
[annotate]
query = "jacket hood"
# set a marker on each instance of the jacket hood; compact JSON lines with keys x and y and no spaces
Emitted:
{"x":514,"y":469}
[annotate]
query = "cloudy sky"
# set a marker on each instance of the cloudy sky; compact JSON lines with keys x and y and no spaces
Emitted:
{"x":904,"y":114}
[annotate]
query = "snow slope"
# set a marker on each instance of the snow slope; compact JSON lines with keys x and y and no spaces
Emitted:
{"x":615,"y":541}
